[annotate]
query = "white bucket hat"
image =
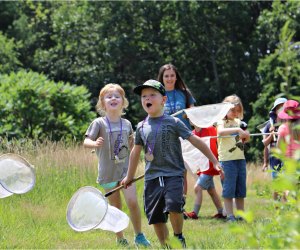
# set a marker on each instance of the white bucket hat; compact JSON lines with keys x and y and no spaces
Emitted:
{"x":278,"y":101}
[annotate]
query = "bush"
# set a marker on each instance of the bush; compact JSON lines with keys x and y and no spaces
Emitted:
{"x":8,"y":55}
{"x":33,"y":106}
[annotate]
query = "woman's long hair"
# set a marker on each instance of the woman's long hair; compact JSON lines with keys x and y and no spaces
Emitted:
{"x":179,"y":84}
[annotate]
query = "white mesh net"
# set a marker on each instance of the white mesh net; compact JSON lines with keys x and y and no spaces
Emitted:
{"x":193,"y":157}
{"x":203,"y":117}
{"x":4,"y":193}
{"x":206,"y":115}
{"x":88,"y":209}
{"x":16,"y":175}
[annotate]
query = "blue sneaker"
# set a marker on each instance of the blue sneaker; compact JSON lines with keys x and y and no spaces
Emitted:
{"x":231,"y":219}
{"x":140,"y":240}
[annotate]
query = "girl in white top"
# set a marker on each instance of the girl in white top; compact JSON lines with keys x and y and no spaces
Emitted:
{"x":112,"y":137}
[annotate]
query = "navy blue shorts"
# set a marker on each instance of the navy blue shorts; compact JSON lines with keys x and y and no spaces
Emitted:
{"x":275,"y":165}
{"x":161,"y":196}
{"x":234,"y":183}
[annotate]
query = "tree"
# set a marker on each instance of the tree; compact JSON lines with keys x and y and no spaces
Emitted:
{"x":8,"y":55}
{"x":94,"y":43}
{"x":279,"y":70}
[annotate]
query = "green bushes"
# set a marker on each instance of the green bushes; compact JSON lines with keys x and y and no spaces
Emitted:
{"x":33,"y":106}
{"x":8,"y":54}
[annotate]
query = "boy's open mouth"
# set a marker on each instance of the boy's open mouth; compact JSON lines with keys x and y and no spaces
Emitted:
{"x":149,"y":105}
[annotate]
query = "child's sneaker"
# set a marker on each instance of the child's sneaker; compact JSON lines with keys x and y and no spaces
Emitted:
{"x":182,"y":241}
{"x":231,"y":219}
{"x":239,"y":218}
{"x":122,"y":242}
{"x":141,"y":240}
{"x":219,"y":216}
{"x":191,"y":215}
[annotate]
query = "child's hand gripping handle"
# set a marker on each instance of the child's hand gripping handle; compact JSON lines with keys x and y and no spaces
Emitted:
{"x":244,"y":127}
{"x":122,"y":186}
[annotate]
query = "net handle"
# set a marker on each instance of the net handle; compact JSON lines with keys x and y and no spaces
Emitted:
{"x":122,"y":186}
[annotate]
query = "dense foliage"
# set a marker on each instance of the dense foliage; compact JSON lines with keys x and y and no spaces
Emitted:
{"x":250,"y":48}
{"x":8,"y":55}
{"x":282,"y":232}
{"x":36,"y":107}
{"x":279,"y":70}
{"x":92,"y":43}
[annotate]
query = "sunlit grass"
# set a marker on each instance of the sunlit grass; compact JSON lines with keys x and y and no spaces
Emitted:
{"x":37,"y":219}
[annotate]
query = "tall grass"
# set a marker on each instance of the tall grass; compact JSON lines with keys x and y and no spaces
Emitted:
{"x":37,"y":219}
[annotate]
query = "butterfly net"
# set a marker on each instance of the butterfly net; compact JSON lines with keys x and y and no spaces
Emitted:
{"x":16,"y":174}
{"x":88,"y":209}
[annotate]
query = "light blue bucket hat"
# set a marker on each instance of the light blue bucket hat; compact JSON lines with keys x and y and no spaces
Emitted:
{"x":278,"y":101}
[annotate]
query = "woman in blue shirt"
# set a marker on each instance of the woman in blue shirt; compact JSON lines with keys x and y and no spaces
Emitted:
{"x":178,"y":95}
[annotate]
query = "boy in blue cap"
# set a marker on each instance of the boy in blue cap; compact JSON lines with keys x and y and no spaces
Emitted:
{"x":159,"y":135}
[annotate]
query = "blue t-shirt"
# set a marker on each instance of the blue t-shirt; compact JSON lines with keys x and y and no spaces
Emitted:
{"x":176,"y":101}
{"x":163,"y":133}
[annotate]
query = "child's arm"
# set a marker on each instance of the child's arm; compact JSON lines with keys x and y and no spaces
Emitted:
{"x":269,"y":138}
{"x":280,"y":138}
{"x":198,"y":143}
{"x":89,"y":143}
{"x":266,"y":159}
{"x":283,"y":131}
{"x":131,"y":141}
{"x":244,"y":134}
{"x":133,"y":163}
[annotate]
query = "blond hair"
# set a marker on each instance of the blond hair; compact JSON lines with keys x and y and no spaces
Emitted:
{"x":100,"y":107}
{"x":236,"y":101}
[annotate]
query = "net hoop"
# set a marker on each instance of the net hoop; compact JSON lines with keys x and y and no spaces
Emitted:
{"x":17,"y":175}
{"x":75,"y":215}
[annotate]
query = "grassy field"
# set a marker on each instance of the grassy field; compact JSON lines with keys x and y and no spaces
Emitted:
{"x":37,"y":219}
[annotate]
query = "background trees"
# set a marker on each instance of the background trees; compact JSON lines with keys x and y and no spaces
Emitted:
{"x":92,"y":43}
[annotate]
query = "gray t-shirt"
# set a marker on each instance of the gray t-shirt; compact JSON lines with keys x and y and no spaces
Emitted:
{"x":164,"y":133}
{"x":108,"y":169}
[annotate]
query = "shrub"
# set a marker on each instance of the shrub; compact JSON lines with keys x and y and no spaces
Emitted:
{"x":8,"y":54}
{"x":33,"y":106}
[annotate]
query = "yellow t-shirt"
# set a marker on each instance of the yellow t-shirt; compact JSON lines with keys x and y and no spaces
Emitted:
{"x":231,"y":148}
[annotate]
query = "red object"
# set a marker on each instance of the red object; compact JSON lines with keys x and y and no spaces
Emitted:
{"x":291,"y":110}
{"x":191,"y":215}
{"x":219,"y":216}
{"x":210,"y":131}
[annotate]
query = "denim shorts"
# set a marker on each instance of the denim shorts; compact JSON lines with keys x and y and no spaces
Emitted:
{"x":161,"y":196}
{"x":234,"y":183}
{"x":206,"y":182}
